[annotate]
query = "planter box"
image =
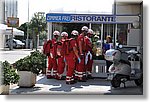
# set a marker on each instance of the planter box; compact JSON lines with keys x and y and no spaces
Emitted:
{"x":1,"y":89}
{"x":27,"y":79}
{"x":4,"y":89}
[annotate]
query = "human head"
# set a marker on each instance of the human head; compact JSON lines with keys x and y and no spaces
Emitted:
{"x":90,"y":33}
{"x":109,"y":39}
{"x":84,"y":30}
{"x":56,"y":34}
{"x":74,"y":34}
{"x":64,"y":34}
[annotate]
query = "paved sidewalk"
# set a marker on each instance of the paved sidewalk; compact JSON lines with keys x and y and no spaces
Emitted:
{"x":13,"y":55}
{"x":92,"y":86}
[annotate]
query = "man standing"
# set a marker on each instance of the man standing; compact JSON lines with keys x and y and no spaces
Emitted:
{"x":60,"y":53}
{"x":71,"y":56}
{"x":80,"y":70}
{"x":52,"y":63}
{"x":89,"y":52}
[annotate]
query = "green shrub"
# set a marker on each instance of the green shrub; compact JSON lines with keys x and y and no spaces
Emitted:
{"x":9,"y":74}
{"x":34,"y":63}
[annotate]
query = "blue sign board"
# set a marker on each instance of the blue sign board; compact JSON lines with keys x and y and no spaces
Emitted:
{"x":80,"y":18}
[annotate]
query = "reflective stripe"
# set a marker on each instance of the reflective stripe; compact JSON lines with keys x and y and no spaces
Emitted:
{"x":80,"y":72}
{"x":76,"y":74}
{"x":48,"y":71}
{"x":80,"y":76}
{"x":54,"y":71}
{"x":68,"y":77}
{"x":72,"y":79}
{"x":68,"y":80}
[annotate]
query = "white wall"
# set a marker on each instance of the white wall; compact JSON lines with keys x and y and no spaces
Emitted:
{"x":128,"y":9}
{"x":1,"y":11}
{"x":11,"y":8}
{"x":1,"y":40}
{"x":134,"y":37}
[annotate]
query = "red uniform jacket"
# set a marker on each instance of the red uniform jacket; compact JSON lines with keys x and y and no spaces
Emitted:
{"x":88,"y":44}
{"x":68,"y":46}
{"x":82,"y":47}
{"x":53,"y":48}
{"x":61,"y":48}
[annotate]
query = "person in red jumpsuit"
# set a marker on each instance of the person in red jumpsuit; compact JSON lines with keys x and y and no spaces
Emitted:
{"x":52,"y":63}
{"x":71,"y":56}
{"x":80,"y":69}
{"x":89,"y":52}
{"x":60,"y":53}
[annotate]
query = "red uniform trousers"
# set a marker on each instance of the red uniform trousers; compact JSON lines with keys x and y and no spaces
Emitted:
{"x":71,"y":62}
{"x":61,"y":67}
{"x":80,"y":72}
{"x":52,"y":64}
{"x":89,"y":66}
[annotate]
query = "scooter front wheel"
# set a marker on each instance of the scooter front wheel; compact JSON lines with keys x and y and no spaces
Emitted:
{"x":139,"y":81}
{"x":116,"y":81}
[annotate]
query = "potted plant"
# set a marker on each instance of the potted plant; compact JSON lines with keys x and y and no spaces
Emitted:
{"x":28,"y":67}
{"x":1,"y":75}
{"x":9,"y":76}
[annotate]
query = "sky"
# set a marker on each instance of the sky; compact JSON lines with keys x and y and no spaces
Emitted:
{"x":78,"y":6}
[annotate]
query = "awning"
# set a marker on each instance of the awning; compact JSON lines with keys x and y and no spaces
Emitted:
{"x":7,"y":30}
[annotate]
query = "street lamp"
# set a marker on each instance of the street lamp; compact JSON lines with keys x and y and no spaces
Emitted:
{"x":27,"y":40}
{"x":40,"y":14}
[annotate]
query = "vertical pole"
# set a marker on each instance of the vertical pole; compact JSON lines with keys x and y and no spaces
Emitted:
{"x":49,"y":35}
{"x":36,"y":41}
{"x":129,"y":27}
{"x":102,"y":35}
{"x":27,"y":40}
{"x":90,"y":26}
{"x":115,"y":35}
{"x":11,"y":41}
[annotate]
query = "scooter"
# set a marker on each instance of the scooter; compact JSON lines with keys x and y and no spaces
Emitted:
{"x":122,"y":71}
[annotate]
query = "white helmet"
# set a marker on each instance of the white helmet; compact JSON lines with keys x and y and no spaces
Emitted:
{"x":74,"y":32}
{"x":56,"y":33}
{"x":84,"y":28}
{"x":64,"y":33}
{"x":90,"y":31}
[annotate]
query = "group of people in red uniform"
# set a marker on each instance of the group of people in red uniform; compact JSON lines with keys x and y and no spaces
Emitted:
{"x":74,"y":54}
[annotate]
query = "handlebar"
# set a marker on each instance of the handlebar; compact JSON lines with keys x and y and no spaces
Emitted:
{"x":132,"y":52}
{"x":129,"y":52}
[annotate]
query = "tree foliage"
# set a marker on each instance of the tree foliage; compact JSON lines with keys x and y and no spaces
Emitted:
{"x":36,"y":26}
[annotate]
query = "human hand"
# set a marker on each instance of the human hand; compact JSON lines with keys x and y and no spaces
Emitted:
{"x":79,"y":60}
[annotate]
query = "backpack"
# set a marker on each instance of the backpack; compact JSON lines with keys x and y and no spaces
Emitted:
{"x":67,"y":46}
{"x":46,"y":47}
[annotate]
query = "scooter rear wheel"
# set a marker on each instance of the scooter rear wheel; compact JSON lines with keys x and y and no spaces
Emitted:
{"x":116,"y":81}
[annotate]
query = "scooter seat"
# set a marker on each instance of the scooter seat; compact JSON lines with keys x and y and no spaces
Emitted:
{"x":125,"y":62}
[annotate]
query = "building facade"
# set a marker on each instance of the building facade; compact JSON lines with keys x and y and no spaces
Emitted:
{"x":123,"y":25}
{"x":8,"y":8}
{"x":1,"y":11}
{"x":11,"y":9}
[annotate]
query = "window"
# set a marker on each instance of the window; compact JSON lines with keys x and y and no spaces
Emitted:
{"x":122,"y":30}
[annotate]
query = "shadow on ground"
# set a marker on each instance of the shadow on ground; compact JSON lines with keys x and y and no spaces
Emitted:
{"x":61,"y":86}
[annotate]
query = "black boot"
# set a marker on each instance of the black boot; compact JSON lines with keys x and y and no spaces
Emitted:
{"x":83,"y":79}
{"x":70,"y":82}
{"x":90,"y":77}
